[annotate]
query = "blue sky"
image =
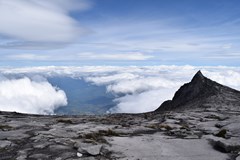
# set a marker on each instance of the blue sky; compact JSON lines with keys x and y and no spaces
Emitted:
{"x":119,"y":32}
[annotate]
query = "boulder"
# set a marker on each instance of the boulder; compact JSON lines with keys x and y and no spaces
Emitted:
{"x":91,"y":150}
{"x":226,"y":145}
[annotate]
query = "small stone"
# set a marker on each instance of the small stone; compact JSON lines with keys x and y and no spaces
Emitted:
{"x":21,"y":157}
{"x":222,"y":133}
{"x":22,"y":154}
{"x":79,"y":154}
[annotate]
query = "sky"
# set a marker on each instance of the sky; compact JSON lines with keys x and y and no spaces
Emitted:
{"x":119,"y":32}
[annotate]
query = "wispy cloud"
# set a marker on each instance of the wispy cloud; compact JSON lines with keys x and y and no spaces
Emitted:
{"x":165,"y":38}
{"x":28,"y":56}
{"x":223,"y":56}
{"x":117,"y":56}
{"x":129,"y":56}
{"x":161,"y":34}
{"x":39,"y":22}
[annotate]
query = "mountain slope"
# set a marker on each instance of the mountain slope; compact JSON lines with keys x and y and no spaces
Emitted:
{"x":202,"y":92}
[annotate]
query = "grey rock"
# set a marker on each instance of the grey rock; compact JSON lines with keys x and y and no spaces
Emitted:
{"x":228,"y":145}
{"x":66,"y":155}
{"x":58,"y":147}
{"x":39,"y":156}
{"x":14,"y":134}
{"x":58,"y":131}
{"x":41,"y":145}
{"x":92,"y":149}
{"x":5,"y":143}
{"x":233,"y":126}
{"x":22,"y":155}
{"x":89,"y":158}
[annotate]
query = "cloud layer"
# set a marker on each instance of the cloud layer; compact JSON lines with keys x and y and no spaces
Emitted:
{"x":137,"y":89}
{"x":28,"y":96}
{"x":131,"y":56}
{"x":142,"y":102}
{"x":143,"y":89}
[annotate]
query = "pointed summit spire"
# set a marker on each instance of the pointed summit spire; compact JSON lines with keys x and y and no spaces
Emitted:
{"x":198,"y":77}
{"x":199,"y":73}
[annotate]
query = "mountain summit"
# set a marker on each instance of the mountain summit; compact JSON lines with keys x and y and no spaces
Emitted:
{"x":202,"y":92}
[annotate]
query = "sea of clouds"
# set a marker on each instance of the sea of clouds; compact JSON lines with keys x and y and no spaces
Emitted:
{"x":136,"y":89}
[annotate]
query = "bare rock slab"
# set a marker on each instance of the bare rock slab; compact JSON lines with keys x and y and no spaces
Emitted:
{"x":160,"y":147}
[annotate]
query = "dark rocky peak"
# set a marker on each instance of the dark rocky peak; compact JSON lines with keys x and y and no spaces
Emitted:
{"x":197,"y":93}
{"x":198,"y":77}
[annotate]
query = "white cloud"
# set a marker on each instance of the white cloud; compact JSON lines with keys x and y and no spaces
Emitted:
{"x":152,"y":85}
{"x":137,"y":89}
{"x":141,"y":84}
{"x":131,"y":56}
{"x":227,"y":76}
{"x":137,"y":56}
{"x":27,"y":96}
{"x":227,"y":46}
{"x":230,"y":55}
{"x":28,"y":56}
{"x":164,"y":37}
{"x":40,"y":21}
{"x":108,"y":79}
{"x":143,"y":102}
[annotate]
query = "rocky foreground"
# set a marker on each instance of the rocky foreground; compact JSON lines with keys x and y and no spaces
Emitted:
{"x":208,"y":131}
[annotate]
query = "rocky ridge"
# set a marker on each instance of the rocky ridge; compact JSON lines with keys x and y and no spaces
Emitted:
{"x":202,"y":124}
{"x":202,"y":92}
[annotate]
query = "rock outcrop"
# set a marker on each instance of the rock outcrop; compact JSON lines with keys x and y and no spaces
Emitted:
{"x":202,"y":92}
